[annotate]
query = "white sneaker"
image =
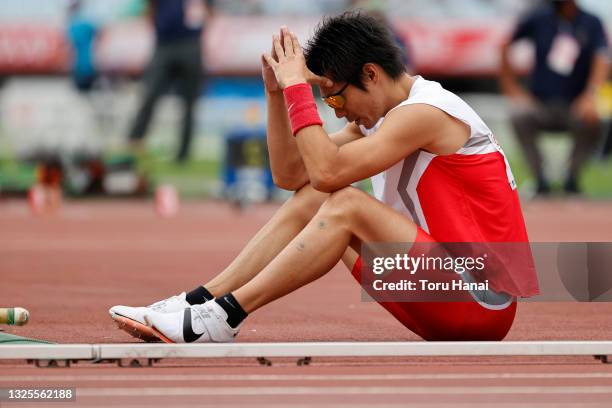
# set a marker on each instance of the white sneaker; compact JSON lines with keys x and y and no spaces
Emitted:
{"x":204,"y":323}
{"x":131,"y":319}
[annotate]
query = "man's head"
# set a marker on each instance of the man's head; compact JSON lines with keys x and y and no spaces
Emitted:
{"x":357,"y":52}
{"x":343,"y":44}
{"x":74,"y":6}
{"x":565,"y":8}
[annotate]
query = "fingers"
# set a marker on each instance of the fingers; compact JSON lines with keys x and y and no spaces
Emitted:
{"x":264,"y":63}
{"x":287,"y":42}
{"x":297,"y":48}
{"x":273,"y":52}
{"x":280,"y":53}
{"x":285,"y":46}
{"x":267,"y":59}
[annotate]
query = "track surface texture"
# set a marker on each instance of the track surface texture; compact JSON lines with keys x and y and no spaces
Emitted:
{"x":68,"y":269}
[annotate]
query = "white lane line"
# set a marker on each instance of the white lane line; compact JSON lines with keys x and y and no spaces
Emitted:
{"x":389,"y":405}
{"x":302,"y":377}
{"x":434,"y":390}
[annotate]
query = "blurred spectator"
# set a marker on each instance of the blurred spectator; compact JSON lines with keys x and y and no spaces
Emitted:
{"x":281,"y":7}
{"x":81,"y":33}
{"x":177,"y":60}
{"x":571,"y":63}
{"x":607,"y":147}
{"x":606,"y":150}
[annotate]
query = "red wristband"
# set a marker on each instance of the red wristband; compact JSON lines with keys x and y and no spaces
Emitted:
{"x":301,"y":107}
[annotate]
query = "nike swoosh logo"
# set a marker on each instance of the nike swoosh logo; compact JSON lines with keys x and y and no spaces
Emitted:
{"x":188,"y":333}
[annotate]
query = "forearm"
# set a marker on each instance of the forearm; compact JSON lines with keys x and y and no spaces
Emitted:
{"x":285,"y":160}
{"x":319,"y":155}
{"x":599,"y":73}
{"x":299,"y":113}
{"x":585,"y":105}
{"x":507,"y":77}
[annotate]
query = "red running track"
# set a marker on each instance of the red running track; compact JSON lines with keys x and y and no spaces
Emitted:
{"x":69,"y":268}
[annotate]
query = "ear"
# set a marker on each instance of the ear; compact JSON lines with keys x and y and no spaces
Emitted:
{"x":370,"y":72}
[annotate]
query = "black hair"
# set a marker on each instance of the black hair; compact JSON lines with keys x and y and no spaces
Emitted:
{"x":343,"y":44}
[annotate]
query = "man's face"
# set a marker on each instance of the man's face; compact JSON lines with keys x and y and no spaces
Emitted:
{"x":352,"y":103}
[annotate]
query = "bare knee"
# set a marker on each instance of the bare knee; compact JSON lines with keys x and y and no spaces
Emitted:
{"x":342,"y":204}
{"x":346,"y":195}
{"x":521,"y":118}
{"x":305,"y":202}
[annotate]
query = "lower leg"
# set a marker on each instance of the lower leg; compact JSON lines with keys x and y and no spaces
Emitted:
{"x":607,"y":145}
{"x":289,"y":220}
{"x":189,"y":77}
{"x":311,"y":254}
{"x":145,"y":111}
{"x":139,"y":129}
{"x":585,"y":137}
{"x":154,"y":85}
{"x":348,"y":217}
{"x":526,"y":130}
{"x":186,"y":131}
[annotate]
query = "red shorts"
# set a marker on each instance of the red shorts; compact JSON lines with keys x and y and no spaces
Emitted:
{"x":449,"y":321}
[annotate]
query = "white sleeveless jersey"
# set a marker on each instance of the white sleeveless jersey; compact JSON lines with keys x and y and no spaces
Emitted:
{"x":468,"y":196}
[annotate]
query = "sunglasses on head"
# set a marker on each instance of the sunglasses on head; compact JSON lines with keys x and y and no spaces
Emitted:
{"x":336,"y":101}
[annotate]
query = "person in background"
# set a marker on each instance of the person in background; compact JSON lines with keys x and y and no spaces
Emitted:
{"x":81,"y":34}
{"x":607,"y":147}
{"x":571,"y":63}
{"x":177,"y":60}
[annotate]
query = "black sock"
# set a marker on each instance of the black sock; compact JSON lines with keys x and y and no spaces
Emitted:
{"x":198,"y":296}
{"x":235,"y":312}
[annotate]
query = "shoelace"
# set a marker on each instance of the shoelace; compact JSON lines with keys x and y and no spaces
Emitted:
{"x":205,"y":311}
{"x":209,"y":312}
{"x":162,"y":303}
{"x":201,"y":312}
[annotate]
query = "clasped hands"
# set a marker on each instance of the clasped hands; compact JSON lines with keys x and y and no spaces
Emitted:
{"x":286,"y":65}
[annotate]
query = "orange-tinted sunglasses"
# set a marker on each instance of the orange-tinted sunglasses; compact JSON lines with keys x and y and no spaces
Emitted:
{"x":336,"y":101}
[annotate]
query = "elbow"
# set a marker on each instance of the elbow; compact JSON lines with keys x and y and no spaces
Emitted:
{"x":324,"y":188}
{"x":284,"y":184}
{"x":323,"y":183}
{"x":329,"y":178}
{"x":287,"y":183}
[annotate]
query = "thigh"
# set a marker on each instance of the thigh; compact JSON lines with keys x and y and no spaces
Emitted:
{"x":350,"y":258}
{"x":465,"y":319}
{"x":446,"y":321}
{"x":157,"y":74}
{"x":188,"y":58}
{"x":373,"y":221}
{"x":539,"y":117}
{"x":584,"y":131}
{"x":368,"y":219}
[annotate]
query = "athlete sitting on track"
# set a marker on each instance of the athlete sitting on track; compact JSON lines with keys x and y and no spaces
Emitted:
{"x":437,"y":172}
